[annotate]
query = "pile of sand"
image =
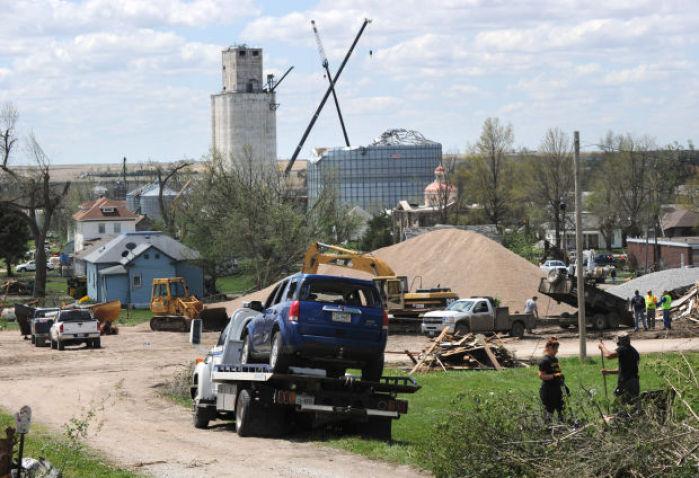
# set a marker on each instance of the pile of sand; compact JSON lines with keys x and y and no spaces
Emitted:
{"x":467,"y":262}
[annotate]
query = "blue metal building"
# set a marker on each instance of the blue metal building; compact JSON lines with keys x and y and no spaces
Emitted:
{"x":395,"y":167}
{"x":125,"y":267}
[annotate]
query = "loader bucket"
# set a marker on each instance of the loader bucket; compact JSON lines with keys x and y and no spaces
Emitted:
{"x":214,"y":319}
{"x":170,"y":323}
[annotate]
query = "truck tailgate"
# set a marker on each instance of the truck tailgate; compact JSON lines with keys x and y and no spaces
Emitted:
{"x":79,"y":327}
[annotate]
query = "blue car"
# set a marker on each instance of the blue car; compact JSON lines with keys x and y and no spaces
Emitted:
{"x":312,"y":320}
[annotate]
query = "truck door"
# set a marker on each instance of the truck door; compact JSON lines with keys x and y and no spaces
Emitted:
{"x":482,"y":317}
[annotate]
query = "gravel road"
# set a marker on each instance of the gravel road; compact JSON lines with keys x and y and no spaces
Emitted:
{"x":141,"y":431}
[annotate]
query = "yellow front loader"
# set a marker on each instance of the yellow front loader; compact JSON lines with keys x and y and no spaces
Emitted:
{"x":174,"y":308}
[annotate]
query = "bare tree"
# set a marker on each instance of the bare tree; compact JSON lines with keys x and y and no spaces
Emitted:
{"x":29,"y":192}
{"x":552,"y":176}
{"x":489,"y":173}
{"x":164,"y":176}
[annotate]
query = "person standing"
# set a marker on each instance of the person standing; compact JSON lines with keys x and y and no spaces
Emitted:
{"x":613,"y":274}
{"x":651,"y":304}
{"x":639,"y":310}
{"x":530,"y":307}
{"x":666,"y":305}
{"x":628,"y":383}
{"x":552,"y":381}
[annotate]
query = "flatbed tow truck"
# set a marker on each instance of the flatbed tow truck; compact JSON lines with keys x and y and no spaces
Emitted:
{"x":266,"y":404}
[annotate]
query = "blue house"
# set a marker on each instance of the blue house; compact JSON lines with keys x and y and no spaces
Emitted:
{"x":125,"y":267}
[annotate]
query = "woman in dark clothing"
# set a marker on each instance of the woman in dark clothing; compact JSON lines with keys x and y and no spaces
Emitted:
{"x":551,"y":391}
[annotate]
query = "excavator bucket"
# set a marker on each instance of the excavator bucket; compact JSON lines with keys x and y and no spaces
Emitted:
{"x":214,"y":319}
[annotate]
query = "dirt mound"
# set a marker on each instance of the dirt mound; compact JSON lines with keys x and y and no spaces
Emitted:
{"x":468,"y":262}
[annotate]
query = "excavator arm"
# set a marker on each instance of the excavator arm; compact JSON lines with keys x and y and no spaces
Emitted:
{"x":320,"y":253}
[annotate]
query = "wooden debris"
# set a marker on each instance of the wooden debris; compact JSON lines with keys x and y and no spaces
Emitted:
{"x":470,"y":352}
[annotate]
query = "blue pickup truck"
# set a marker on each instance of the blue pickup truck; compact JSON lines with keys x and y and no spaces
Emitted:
{"x":312,"y":320}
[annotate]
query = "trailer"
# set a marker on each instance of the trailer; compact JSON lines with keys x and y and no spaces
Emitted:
{"x":603,"y":310}
{"x":263,"y":403}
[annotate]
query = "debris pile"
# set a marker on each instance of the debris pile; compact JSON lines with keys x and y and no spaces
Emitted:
{"x":687,"y":306}
{"x":677,"y":281}
{"x":15,"y":287}
{"x":469,"y":352}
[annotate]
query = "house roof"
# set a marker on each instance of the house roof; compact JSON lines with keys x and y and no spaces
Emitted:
{"x":103,"y":209}
{"x":113,"y":271}
{"x":91,"y":245}
{"x":126,"y":247}
{"x":152,"y":189}
{"x":679,"y":217}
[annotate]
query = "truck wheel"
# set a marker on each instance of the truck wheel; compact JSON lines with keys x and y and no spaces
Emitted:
{"x":377,"y":428}
{"x":599,"y":322}
{"x":97,"y":343}
{"x":373,"y":370}
{"x":613,"y":320}
{"x":462,"y":329}
{"x":53,"y":344}
{"x":245,"y":415}
{"x":517,"y":330}
{"x":60,"y":345}
{"x":34,"y":340}
{"x":277,"y":361}
{"x":201,"y":417}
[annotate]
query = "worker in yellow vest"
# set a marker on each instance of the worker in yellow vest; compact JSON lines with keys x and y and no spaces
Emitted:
{"x":666,"y":304}
{"x":651,"y":304}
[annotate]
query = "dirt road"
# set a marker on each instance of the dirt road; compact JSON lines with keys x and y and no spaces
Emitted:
{"x":141,"y":431}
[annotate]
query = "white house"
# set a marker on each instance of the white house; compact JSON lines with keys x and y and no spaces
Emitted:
{"x":592,"y":235}
{"x":102,"y":218}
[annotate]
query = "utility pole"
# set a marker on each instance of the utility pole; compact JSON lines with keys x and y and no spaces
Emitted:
{"x":579,"y":270}
{"x":123,"y":172}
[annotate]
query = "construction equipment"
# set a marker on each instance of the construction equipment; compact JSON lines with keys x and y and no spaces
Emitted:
{"x":174,"y":308}
{"x":77,"y":286}
{"x":405,"y":308}
{"x":330,"y":89}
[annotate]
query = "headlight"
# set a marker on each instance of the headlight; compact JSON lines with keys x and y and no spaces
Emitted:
{"x":449,"y":320}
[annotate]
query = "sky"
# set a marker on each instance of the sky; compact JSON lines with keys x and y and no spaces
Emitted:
{"x":97,"y":80}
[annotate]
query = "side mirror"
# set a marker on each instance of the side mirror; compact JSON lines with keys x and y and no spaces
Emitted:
{"x":254,"y":305}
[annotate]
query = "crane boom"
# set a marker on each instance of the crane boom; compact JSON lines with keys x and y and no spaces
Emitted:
{"x":326,"y":66}
{"x":295,"y":155}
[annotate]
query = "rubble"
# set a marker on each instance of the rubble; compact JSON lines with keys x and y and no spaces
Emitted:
{"x":678,"y":279}
{"x":469,"y":352}
{"x":687,"y":306}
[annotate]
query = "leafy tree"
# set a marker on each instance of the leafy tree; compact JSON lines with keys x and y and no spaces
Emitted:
{"x":14,"y":235}
{"x":378,"y":233}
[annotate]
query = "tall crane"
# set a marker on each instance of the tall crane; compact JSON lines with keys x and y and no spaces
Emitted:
{"x":295,"y":155}
{"x":326,"y":66}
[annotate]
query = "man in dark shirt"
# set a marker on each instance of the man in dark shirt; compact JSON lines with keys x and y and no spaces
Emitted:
{"x":639,"y":310}
{"x":628,"y":385}
{"x":552,"y":380}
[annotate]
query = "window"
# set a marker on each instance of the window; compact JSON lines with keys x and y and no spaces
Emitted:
{"x":241,"y":53}
{"x":278,"y":296}
{"x":340,"y":292}
{"x":117,"y":227}
{"x":157,"y":256}
{"x":292,"y":289}
{"x":255,"y":53}
{"x":270,"y":297}
{"x":146,"y":256}
{"x":137,"y":280}
{"x":101,"y":228}
{"x":480,"y":308}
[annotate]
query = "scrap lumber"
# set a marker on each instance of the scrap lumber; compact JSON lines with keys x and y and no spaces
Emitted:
{"x":492,"y":358}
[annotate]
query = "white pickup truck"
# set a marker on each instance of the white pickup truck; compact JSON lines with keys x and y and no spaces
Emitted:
{"x":74,"y":326}
{"x":476,"y":315}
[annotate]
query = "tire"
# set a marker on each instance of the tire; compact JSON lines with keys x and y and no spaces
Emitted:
{"x":613,"y":320}
{"x":373,"y":370}
{"x":60,"y":345}
{"x":517,"y":330}
{"x":377,"y":428}
{"x":201,"y":417}
{"x":246,"y":418}
{"x":97,"y":343}
{"x":245,"y":351}
{"x":278,"y":362}
{"x":53,"y":344}
{"x":462,"y":329}
{"x":599,"y":322}
{"x":34,"y":340}
{"x":88,"y":344}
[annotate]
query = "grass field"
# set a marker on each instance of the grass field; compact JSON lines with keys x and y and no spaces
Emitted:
{"x":235,"y":284}
{"x":72,"y":457}
{"x":433,"y":402}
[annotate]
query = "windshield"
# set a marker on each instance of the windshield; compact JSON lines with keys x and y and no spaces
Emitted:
{"x":461,"y":305}
{"x":69,"y":315}
{"x":557,"y":264}
{"x":340,"y":292}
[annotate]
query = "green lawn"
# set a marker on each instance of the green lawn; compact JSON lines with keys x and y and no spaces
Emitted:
{"x":74,"y":458}
{"x":432,"y":403}
{"x":235,"y":284}
{"x":129,"y":318}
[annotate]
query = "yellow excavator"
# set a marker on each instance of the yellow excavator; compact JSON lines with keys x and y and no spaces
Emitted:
{"x":174,"y":308}
{"x":395,"y":291}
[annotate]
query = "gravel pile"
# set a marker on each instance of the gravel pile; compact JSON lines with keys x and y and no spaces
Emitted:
{"x":467,"y":262}
{"x":658,"y":282}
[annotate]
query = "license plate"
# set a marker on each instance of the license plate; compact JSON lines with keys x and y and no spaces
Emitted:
{"x":418,"y":306}
{"x":305,"y":400}
{"x":344,"y":317}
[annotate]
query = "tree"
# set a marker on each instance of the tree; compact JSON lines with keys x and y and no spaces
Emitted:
{"x":551,"y":177}
{"x":167,"y":209}
{"x":378,"y":233}
{"x":14,"y":235}
{"x":489,"y":176}
{"x":29,"y":192}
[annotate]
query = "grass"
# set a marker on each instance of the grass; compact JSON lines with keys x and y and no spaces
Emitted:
{"x":74,"y":458}
{"x":235,"y":284}
{"x":131,"y":317}
{"x":433,"y":402}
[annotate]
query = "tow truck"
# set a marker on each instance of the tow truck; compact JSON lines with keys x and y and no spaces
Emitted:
{"x":263,"y":403}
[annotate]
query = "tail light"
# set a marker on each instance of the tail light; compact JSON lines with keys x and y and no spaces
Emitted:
{"x":294,"y":311}
{"x":385,"y":320}
{"x":60,"y":329}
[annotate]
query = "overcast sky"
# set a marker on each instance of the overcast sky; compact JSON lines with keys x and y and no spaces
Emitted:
{"x":97,"y":80}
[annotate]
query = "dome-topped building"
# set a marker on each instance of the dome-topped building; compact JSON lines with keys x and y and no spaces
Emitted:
{"x":438,"y":192}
